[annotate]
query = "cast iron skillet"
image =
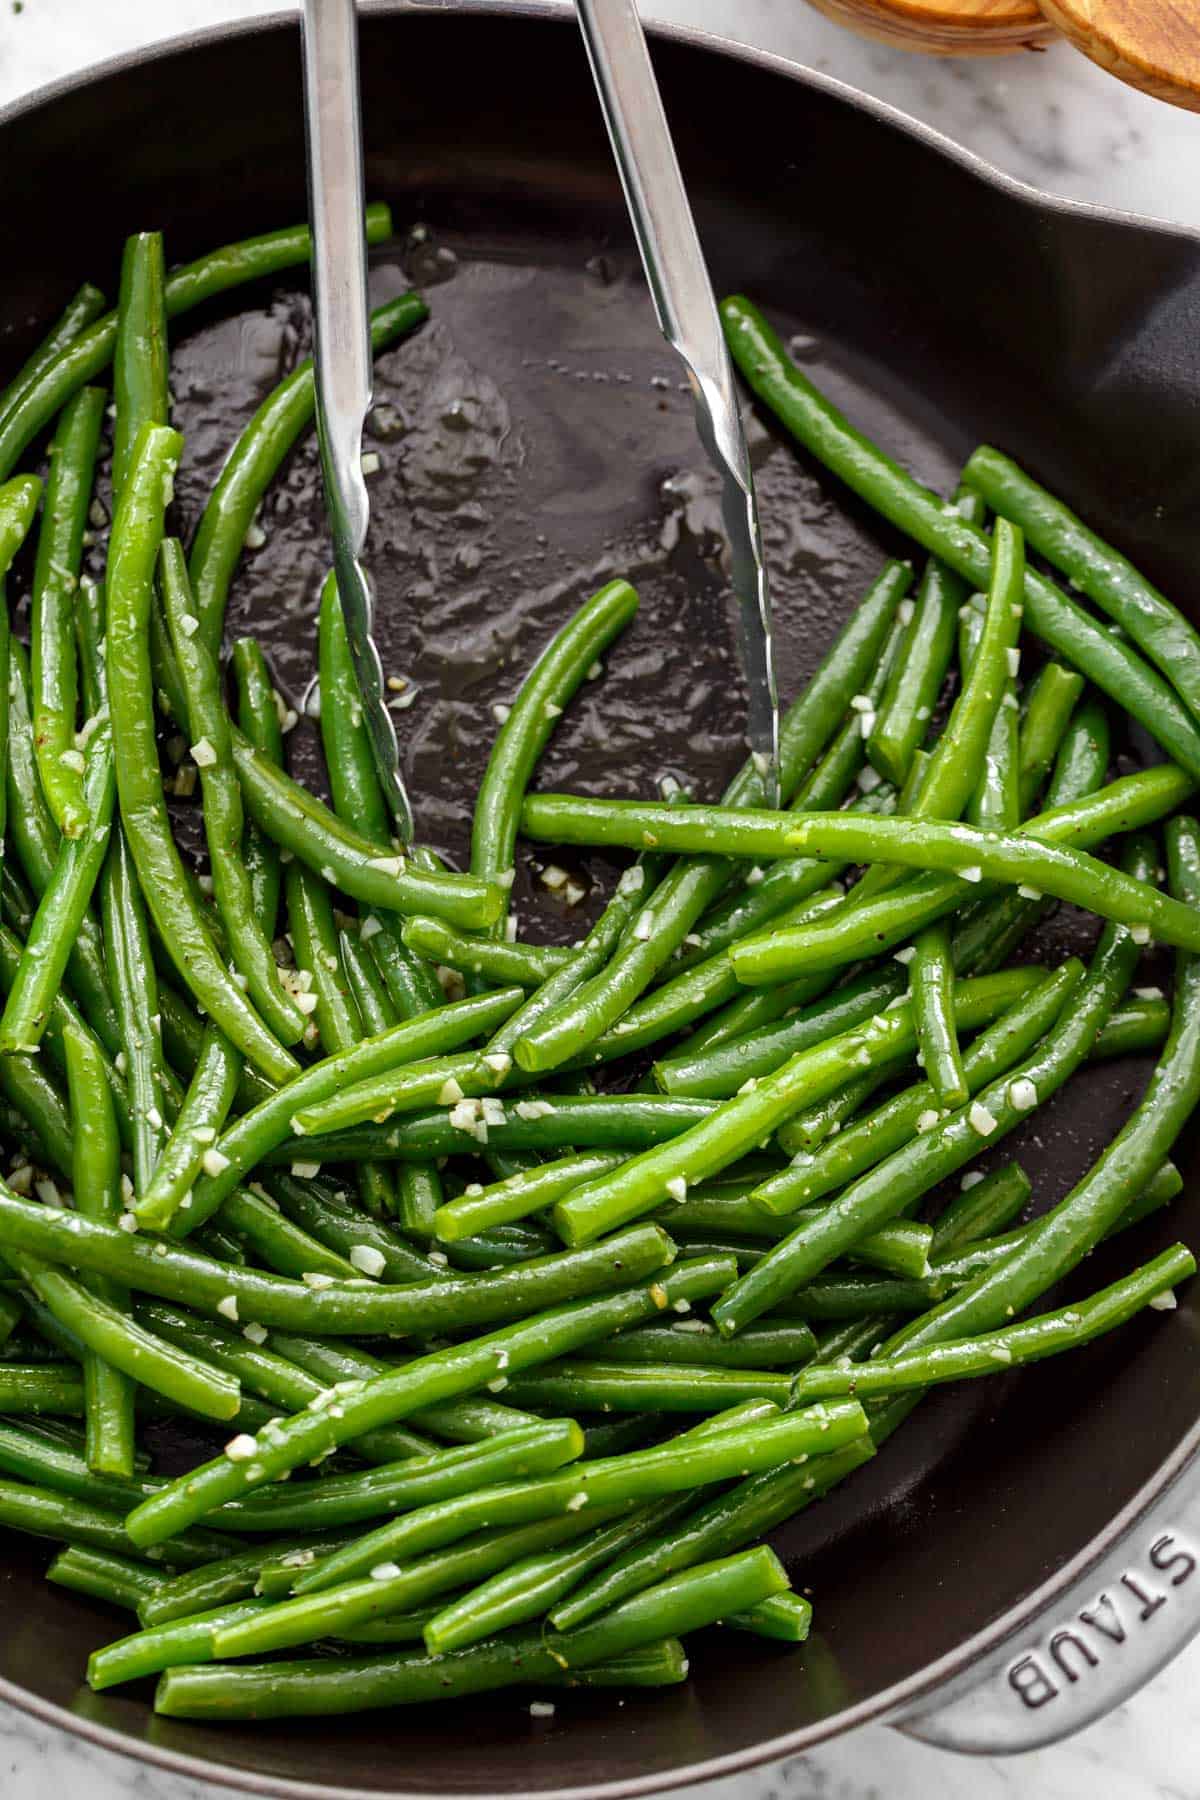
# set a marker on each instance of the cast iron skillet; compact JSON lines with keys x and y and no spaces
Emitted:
{"x":534,"y":441}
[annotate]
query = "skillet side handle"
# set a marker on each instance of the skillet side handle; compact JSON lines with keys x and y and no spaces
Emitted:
{"x":1092,"y":1646}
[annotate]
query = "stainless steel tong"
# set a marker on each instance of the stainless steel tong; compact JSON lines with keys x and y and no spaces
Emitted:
{"x":687,"y":315}
{"x":343,"y":348}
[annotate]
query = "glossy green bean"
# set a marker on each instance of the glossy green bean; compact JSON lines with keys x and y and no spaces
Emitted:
{"x":518,"y":1195}
{"x":96,"y":1180}
{"x":442,"y":1375}
{"x":42,"y":1512}
{"x":354,"y":784}
{"x":902,"y":719}
{"x":615,"y":1386}
{"x":140,"y":351}
{"x":135,"y":990}
{"x":38,"y":1388}
{"x":117,"y":1580}
{"x":1113,"y":665}
{"x":209,"y":1097}
{"x":545,"y":691}
{"x":212,"y":752}
{"x":981,"y":1207}
{"x":51,"y":629}
{"x":1094,"y":567}
{"x":258,"y":718}
{"x":370,"y":1245}
{"x":500,"y":963}
{"x":85,"y":304}
{"x":61,"y":908}
{"x":1052,"y":700}
{"x":297,"y":821}
{"x":931,"y":988}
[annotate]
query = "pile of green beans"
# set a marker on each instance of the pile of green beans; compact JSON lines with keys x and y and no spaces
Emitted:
{"x":506,"y":1326}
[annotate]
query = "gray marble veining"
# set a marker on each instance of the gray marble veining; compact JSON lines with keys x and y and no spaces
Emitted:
{"x":1052,"y":120}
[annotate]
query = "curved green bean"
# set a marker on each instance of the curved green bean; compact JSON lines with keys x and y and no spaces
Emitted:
{"x":51,"y":627}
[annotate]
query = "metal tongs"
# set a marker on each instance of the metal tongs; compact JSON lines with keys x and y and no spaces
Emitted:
{"x":679,"y":286}
{"x":337,"y":204}
{"x":687,"y":315}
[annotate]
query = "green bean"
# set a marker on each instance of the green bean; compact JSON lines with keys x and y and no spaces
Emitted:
{"x":367,"y":987}
{"x":135,"y":987}
{"x":1081,"y":765}
{"x":297,"y":821}
{"x":980,"y":1207}
{"x":629,"y":1480}
{"x":55,"y":580}
{"x":255,"y":1221}
{"x":309,"y":906}
{"x":137,"y":533}
{"x":1052,"y":700}
{"x":39,"y":1388}
{"x":62,"y":908}
{"x":370,"y":1245}
{"x":85,"y":304}
{"x":223,"y":1578}
{"x":740,"y":1124}
{"x":1135,"y":1028}
{"x":37,"y":1099}
{"x":353,"y":782}
{"x":1094,"y":567}
{"x":612,"y":1385}
{"x":36,"y":841}
{"x":884,"y":1190}
{"x":259,"y":720}
{"x":464,"y":1421}
{"x":209,"y":1097}
{"x":957,"y":760}
{"x":182,"y":1641}
{"x":546,"y":689}
{"x":601,"y":1121}
{"x":140,"y":352}
{"x":722,"y":1523}
{"x":756,"y":1007}
{"x":100,"y":1575}
{"x":527,"y":965}
{"x":1113,"y":665}
{"x":993,"y":1351}
{"x":716,"y":1072}
{"x":411,"y":984}
{"x":900,"y":1248}
{"x":253,"y":463}
{"x":96,"y":1178}
{"x":270,"y":1123}
{"x":527,"y":1589}
{"x":212,"y":751}
{"x":771,"y":1343}
{"x":916,"y":679}
{"x":518,"y":1195}
{"x":931,"y":987}
{"x":675,"y":905}
{"x":685,"y":1602}
{"x":41,"y":1512}
{"x":997,"y":800}
{"x":442,"y":1375}
{"x":785,"y":1617}
{"x":419,"y":1481}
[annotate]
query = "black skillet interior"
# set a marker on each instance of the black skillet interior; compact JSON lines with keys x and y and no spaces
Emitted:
{"x":534,"y":440}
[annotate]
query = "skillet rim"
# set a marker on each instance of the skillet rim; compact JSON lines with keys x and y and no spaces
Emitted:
{"x":903,"y":1698}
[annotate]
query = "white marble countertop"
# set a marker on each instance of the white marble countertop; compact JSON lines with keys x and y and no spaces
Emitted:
{"x":1058,"y":123}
